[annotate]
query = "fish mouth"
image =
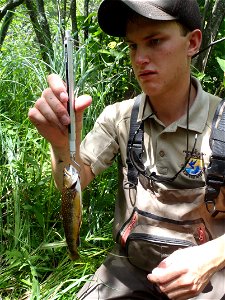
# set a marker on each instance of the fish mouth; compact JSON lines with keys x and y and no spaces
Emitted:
{"x":71,"y":177}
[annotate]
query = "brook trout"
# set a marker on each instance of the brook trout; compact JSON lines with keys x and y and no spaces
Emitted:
{"x":71,"y":209}
{"x":71,"y":194}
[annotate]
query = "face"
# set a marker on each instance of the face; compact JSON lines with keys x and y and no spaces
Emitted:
{"x":159,"y":53}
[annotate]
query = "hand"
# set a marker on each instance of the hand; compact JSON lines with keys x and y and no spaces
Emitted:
{"x":49,"y":114}
{"x":186,"y":272}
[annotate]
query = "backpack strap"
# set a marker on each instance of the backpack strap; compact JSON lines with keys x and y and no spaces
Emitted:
{"x":215,"y":173}
{"x":135,"y":142}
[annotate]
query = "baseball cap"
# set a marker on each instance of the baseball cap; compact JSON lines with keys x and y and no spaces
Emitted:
{"x":113,"y":14}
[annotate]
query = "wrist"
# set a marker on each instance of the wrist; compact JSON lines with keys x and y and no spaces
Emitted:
{"x":60,"y":155}
{"x":217,"y":253}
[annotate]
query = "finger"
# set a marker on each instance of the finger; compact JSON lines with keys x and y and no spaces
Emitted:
{"x":58,"y":86}
{"x":174,"y":291}
{"x":60,"y":109}
{"x":59,"y":121}
{"x":82,"y":102}
{"x":173,"y":285}
{"x":186,"y":291}
{"x":181,"y":294}
{"x":182,"y":286}
{"x":165,"y":275}
{"x":55,"y":135}
{"x":37,"y":119}
{"x":49,"y":93}
{"x":34,"y":116}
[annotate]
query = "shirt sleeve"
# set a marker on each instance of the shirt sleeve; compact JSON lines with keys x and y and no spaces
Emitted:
{"x":100,"y":146}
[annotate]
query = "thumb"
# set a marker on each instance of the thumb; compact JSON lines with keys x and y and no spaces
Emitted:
{"x":82,"y":102}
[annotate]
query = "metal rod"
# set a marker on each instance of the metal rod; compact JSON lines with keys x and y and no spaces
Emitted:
{"x":68,"y":52}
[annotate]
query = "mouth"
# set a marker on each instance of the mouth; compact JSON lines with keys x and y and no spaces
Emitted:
{"x":146,"y":73}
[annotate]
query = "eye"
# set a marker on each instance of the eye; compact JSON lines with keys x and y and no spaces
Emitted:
{"x":154,"y":42}
{"x":132,"y":46}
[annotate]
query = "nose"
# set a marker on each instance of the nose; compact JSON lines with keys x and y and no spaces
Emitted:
{"x":141,"y":57}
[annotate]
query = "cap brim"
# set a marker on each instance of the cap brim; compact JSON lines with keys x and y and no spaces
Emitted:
{"x":112,"y":14}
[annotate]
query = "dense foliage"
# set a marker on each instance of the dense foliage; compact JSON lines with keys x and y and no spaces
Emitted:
{"x":33,"y":259}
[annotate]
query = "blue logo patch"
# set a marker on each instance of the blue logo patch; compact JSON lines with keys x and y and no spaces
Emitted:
{"x":195,"y":166}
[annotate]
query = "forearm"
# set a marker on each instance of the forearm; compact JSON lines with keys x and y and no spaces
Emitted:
{"x":217,"y":249}
{"x":59,"y":159}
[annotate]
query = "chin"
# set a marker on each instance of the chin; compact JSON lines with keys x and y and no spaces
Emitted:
{"x":151,"y":92}
{"x":150,"y":89}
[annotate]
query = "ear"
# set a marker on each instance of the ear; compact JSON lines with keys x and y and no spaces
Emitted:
{"x":195,"y":40}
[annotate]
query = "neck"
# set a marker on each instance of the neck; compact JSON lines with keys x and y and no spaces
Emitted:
{"x":172,"y":106}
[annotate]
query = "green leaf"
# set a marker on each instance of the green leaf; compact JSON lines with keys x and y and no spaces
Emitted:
{"x":221,"y":62}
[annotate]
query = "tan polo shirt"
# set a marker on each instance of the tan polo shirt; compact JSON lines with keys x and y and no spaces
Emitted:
{"x":166,"y":148}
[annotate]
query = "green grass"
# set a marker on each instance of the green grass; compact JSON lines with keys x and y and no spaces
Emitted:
{"x":33,"y":254}
{"x":34,"y":263}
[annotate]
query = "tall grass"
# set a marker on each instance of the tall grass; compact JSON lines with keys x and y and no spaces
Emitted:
{"x":34,"y":263}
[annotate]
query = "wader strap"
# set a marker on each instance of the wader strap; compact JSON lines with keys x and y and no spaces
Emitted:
{"x":215,"y":173}
{"x":136,"y":130}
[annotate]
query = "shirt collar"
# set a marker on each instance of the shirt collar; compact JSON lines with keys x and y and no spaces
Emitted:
{"x":145,"y":110}
{"x":198,"y":112}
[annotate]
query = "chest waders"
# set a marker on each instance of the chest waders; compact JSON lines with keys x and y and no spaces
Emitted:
{"x":215,"y":172}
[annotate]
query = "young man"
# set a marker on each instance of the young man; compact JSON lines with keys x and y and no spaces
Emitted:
{"x":163,"y":212}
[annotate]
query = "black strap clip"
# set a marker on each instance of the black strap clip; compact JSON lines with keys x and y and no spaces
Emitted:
{"x":215,"y":178}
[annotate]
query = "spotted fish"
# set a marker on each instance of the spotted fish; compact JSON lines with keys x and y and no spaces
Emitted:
{"x":72,"y":209}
